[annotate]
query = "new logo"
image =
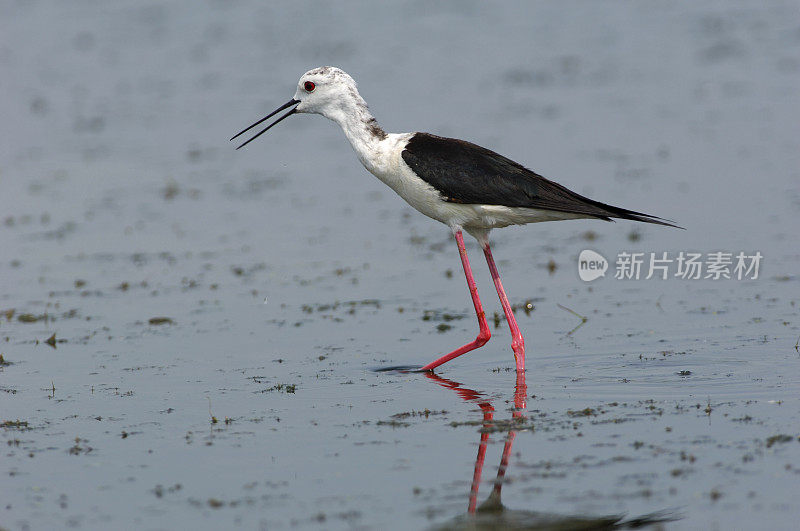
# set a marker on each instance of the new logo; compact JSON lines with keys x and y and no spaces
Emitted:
{"x":591,"y":265}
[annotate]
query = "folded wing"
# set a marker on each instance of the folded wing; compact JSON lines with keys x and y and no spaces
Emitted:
{"x":466,"y":173}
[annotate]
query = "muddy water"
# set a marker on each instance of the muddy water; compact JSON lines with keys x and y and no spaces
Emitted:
{"x":216,"y":318}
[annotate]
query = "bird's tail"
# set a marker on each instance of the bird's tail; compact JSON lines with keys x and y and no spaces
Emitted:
{"x":623,"y":213}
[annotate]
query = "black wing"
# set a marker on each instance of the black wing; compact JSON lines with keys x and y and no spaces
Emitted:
{"x":466,"y":173}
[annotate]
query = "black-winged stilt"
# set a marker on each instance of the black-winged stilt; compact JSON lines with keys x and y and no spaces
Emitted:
{"x":463,"y":185}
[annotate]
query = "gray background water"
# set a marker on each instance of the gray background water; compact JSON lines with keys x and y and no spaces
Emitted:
{"x":121,"y":200}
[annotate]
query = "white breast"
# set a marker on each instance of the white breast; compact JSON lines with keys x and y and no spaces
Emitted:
{"x":388,"y":166}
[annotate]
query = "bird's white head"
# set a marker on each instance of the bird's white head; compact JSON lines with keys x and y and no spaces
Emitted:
{"x":328,"y":91}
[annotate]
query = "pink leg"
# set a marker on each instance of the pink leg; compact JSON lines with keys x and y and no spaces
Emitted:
{"x":517,"y":342}
{"x":484,"y":334}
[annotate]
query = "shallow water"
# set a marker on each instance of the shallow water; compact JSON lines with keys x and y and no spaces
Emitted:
{"x":287,"y":274}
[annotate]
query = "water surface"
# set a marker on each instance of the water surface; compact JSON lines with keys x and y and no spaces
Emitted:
{"x":219,"y":316}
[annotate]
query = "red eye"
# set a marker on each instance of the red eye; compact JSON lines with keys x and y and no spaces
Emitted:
{"x":309,"y":86}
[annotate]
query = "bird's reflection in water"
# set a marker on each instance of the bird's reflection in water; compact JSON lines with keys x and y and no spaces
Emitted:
{"x":492,"y":514}
{"x":471,"y":395}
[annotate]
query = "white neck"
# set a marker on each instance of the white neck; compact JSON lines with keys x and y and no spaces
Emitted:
{"x":359,"y":126}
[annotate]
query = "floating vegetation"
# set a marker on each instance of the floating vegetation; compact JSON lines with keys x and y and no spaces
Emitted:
{"x":779,"y":439}
{"x":15,"y":425}
{"x":576,"y":314}
{"x":51,"y":340}
{"x":424,"y":413}
{"x":393,"y":423}
{"x":286,"y":388}
{"x":80,"y":447}
{"x":346,"y":307}
{"x":31,"y":318}
{"x":438,"y":315}
{"x":587,"y":412}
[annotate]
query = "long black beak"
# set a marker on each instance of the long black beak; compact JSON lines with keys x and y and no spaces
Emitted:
{"x":270,"y":115}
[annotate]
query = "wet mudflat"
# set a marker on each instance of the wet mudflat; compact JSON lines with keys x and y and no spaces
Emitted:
{"x":191,"y":336}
